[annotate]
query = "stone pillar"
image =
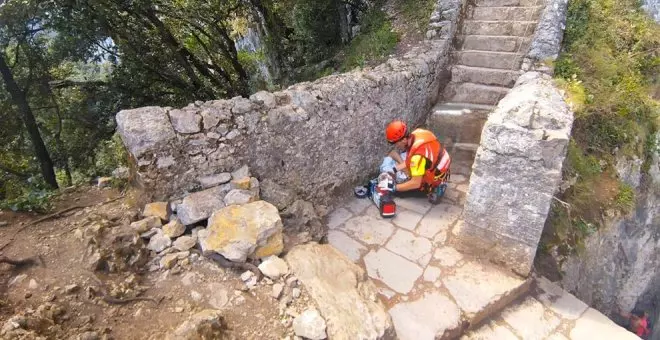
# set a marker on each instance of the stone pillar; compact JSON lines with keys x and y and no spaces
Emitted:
{"x":515,"y":174}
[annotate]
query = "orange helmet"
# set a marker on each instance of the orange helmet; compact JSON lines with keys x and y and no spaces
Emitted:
{"x":396,"y":131}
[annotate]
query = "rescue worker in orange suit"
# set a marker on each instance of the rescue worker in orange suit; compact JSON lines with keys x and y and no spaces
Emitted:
{"x":426,"y":162}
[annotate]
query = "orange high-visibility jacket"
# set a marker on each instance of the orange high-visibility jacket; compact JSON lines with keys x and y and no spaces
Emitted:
{"x":425,"y":155}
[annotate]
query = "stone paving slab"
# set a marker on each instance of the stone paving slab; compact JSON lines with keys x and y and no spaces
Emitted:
{"x":407,"y":219}
{"x":369,"y":229}
{"x":432,"y":290}
{"x":439,"y":219}
{"x":530,"y":320}
{"x":393,"y":270}
{"x":346,"y":245}
{"x":430,"y":317}
{"x":447,"y":256}
{"x":478,"y":288}
{"x":594,"y":325}
{"x":549,"y":313}
{"x":560,"y":301}
{"x":412,"y":247}
{"x":338,"y":217}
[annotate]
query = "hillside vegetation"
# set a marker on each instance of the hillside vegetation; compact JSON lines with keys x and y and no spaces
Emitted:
{"x":609,"y":67}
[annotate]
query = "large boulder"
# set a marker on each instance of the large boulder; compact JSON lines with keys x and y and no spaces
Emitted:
{"x":200,"y":205}
{"x":345,"y":296}
{"x":144,"y":129}
{"x":239,"y":231}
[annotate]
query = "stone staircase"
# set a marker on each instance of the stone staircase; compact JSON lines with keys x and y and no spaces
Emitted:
{"x":489,"y":48}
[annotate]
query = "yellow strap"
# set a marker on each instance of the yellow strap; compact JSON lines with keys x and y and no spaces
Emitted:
{"x":417,"y":166}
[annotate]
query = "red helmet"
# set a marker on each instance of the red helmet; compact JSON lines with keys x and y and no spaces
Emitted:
{"x":396,"y":131}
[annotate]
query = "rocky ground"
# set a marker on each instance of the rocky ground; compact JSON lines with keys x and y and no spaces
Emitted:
{"x":91,"y":265}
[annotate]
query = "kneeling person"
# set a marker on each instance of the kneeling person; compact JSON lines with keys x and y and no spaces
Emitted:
{"x":426,"y":161}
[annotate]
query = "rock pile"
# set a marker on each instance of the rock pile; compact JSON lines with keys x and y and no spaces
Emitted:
{"x":34,"y":323}
{"x":229,"y":218}
{"x":111,"y":248}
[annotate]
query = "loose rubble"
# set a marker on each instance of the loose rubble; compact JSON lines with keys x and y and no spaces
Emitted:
{"x":310,"y":325}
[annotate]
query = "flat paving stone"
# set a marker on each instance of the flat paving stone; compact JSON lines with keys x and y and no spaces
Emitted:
{"x":425,"y":319}
{"x":440,"y":238}
{"x":424,"y":261}
{"x":447,"y":256}
{"x":440,"y":218}
{"x":357,"y":205}
{"x":393,"y":270}
{"x":490,"y":331}
{"x":412,"y":247}
{"x":474,"y":286}
{"x":369,"y":229}
{"x":453,"y":195}
{"x":407,"y":219}
{"x":432,"y":274}
{"x":559,"y":301}
{"x":463,"y":187}
{"x":338,"y":217}
{"x":530,"y":320}
{"x":458,"y":179}
{"x":417,"y":204}
{"x":346,"y":245}
{"x":594,"y":325}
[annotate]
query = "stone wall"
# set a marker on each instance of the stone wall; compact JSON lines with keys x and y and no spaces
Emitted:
{"x":318,"y":138}
{"x":515,"y":174}
{"x":548,"y":36}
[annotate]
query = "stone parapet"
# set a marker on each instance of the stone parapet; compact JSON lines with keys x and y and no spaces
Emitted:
{"x":314,"y":137}
{"x":517,"y":169}
{"x":546,"y":43}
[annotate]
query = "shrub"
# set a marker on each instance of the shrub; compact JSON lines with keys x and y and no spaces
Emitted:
{"x":375,"y":41}
{"x":608,"y":68}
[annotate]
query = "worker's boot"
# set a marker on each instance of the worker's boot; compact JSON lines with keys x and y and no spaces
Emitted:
{"x":436,"y":194}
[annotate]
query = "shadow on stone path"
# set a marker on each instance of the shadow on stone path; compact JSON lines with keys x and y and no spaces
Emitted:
{"x":429,"y":288}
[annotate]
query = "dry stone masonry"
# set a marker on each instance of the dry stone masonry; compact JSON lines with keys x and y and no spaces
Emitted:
{"x":516,"y":173}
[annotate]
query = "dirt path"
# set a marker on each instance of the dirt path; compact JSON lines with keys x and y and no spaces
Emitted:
{"x":60,"y":300}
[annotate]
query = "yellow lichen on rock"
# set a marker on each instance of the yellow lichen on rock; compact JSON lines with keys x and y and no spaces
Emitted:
{"x":158,"y":209}
{"x":238,"y":231}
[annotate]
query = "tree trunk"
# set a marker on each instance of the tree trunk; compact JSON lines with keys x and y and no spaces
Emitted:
{"x":344,"y":25}
{"x":19,"y":99}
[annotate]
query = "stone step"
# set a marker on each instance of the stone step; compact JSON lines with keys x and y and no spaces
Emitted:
{"x":489,"y":59}
{"x":454,"y":124}
{"x":474,"y":93}
{"x":462,"y":157}
{"x":503,"y":3}
{"x":509,"y":28}
{"x":482,"y":75}
{"x":506,"y":13}
{"x":548,"y":312}
{"x":495,"y":43}
{"x":466,"y":106}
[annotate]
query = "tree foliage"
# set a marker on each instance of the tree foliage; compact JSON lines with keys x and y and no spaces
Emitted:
{"x":69,"y":65}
